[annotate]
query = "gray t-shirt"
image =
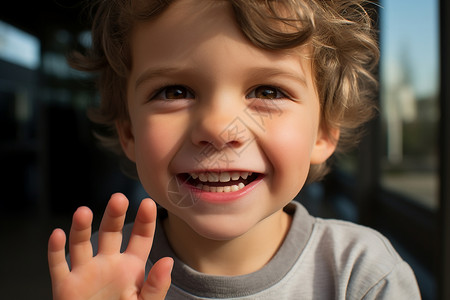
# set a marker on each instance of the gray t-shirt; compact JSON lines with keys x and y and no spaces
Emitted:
{"x":319,"y":259}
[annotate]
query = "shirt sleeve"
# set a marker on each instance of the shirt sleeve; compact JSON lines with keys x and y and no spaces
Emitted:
{"x":399,"y":284}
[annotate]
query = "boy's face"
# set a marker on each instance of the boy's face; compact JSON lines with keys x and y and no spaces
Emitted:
{"x":204,"y":102}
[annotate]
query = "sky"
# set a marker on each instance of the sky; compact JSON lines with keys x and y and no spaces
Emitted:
{"x":409,"y":31}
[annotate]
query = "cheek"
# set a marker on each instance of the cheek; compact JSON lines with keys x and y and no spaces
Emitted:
{"x":157,"y":135}
{"x":156,"y":143}
{"x":292,"y":136}
{"x":152,"y":142}
{"x":288,"y":146}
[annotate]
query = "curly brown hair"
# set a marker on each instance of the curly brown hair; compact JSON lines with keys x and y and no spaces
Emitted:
{"x":341,"y":34}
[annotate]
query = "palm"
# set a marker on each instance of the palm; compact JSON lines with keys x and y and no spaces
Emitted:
{"x":110,"y":274}
{"x":116,"y":276}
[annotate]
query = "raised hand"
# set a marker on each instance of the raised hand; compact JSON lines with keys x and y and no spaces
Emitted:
{"x":110,"y":274}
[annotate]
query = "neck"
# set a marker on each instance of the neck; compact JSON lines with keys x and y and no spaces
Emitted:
{"x":238,"y":256}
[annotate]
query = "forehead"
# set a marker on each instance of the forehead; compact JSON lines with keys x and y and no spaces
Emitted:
{"x":184,"y":24}
{"x":188,"y":32}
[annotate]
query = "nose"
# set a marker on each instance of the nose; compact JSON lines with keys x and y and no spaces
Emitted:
{"x":220,"y":126}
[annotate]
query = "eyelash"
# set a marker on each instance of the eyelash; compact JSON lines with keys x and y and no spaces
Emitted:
{"x":280,"y":94}
{"x":157,"y":95}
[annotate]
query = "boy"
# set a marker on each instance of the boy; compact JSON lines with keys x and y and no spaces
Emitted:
{"x":226,"y":108}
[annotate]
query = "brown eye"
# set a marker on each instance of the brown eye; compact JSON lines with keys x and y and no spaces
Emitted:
{"x":266,"y":92}
{"x":173,"y":92}
{"x":176,"y":92}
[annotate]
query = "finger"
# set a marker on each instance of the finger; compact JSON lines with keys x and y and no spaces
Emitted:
{"x":80,"y":246}
{"x":141,"y":238}
{"x":158,"y":281}
{"x":57,"y":255}
{"x":110,"y":233}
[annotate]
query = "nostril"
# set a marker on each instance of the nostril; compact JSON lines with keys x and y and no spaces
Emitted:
{"x":213,"y":145}
{"x":221,"y":129}
{"x":232,"y":144}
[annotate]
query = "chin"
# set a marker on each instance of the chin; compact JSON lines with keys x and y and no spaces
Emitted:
{"x":220,"y":228}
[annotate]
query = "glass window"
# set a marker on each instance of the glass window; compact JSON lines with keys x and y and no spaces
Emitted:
{"x":409,"y":77}
{"x":19,"y":47}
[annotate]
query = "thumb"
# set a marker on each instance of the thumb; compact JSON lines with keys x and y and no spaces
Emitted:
{"x":158,"y":281}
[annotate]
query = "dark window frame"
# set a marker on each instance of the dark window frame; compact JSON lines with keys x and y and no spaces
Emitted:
{"x":424,"y":232}
{"x":444,"y":143}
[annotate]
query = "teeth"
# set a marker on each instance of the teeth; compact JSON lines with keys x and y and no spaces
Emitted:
{"x":220,"y":176}
{"x":203,"y":177}
{"x":235,"y":175}
{"x":220,"y":189}
{"x":213,"y":177}
{"x":206,"y":177}
{"x":224,"y":177}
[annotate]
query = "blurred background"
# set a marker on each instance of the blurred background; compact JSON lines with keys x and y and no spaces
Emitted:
{"x":397,"y":181}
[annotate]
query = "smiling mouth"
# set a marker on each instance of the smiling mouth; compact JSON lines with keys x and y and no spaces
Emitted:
{"x":219,"y":182}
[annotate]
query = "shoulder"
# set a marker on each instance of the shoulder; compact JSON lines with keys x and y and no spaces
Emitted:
{"x":363,"y":259}
{"x":340,"y":238}
{"x":352,"y":239}
{"x":354,"y":246}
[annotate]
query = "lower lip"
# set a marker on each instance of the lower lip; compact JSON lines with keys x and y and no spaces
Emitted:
{"x":224,"y":197}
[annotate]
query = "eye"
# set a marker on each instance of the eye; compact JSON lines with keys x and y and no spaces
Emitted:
{"x":266,"y":92}
{"x":173,"y":92}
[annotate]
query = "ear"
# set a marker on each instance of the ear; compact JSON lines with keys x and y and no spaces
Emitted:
{"x":325,"y":145}
{"x":126,"y":138}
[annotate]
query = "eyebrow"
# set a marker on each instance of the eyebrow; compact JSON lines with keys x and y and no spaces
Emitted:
{"x":262,"y":72}
{"x":276,"y":72}
{"x":153,"y":73}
